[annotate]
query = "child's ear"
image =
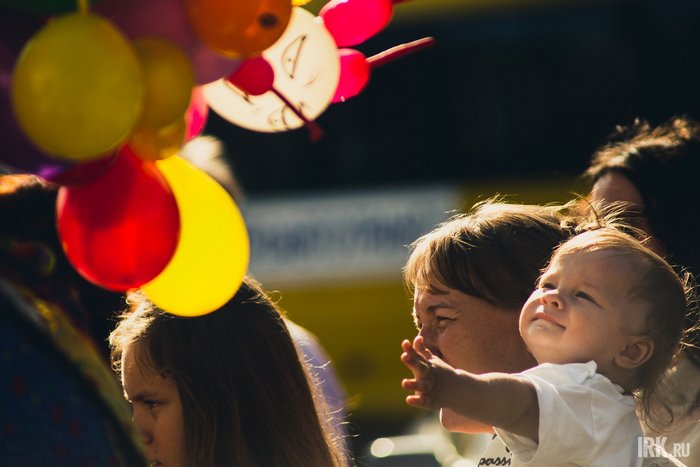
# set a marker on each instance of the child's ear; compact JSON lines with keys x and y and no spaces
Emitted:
{"x":637,"y":351}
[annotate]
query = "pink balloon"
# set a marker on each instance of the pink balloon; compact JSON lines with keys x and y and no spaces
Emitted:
{"x":196,"y":114}
{"x":354,"y":74}
{"x":352,"y":22}
{"x":355,"y":69}
{"x":120,"y":230}
{"x":255,"y":76}
{"x":167,"y":19}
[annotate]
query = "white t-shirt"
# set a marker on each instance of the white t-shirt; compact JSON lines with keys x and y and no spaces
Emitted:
{"x":585,"y":419}
{"x":496,"y":453}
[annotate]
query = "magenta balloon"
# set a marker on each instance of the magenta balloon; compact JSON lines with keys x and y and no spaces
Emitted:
{"x":167,"y":19}
{"x":354,"y":74}
{"x":120,"y":230}
{"x":352,"y":22}
{"x":196,"y":114}
{"x":17,"y":151}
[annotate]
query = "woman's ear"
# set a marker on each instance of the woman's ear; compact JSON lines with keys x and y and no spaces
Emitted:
{"x":636,"y":352}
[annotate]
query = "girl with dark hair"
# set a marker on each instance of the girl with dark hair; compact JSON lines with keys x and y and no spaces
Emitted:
{"x":223,"y":389}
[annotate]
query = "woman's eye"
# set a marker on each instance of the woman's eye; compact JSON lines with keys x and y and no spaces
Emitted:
{"x":547,"y":286}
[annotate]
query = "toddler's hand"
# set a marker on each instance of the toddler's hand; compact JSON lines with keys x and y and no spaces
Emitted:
{"x":420,"y":360}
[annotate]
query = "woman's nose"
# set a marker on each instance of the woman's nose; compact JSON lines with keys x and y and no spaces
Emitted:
{"x":426,"y":330}
{"x":431,"y":343}
{"x":429,"y":338}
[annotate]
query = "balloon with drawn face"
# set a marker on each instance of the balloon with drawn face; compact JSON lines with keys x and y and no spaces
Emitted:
{"x":306,"y":72}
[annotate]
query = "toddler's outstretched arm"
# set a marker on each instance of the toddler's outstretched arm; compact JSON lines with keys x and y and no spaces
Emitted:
{"x":498,"y":399}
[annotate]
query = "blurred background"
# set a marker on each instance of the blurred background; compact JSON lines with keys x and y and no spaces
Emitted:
{"x":513,"y":99}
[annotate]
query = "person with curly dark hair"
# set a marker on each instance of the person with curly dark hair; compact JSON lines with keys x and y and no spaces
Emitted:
{"x":654,"y":170}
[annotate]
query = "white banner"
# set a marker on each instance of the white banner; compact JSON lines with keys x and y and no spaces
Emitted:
{"x":341,"y":236}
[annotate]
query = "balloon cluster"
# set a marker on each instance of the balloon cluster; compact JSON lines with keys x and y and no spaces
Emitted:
{"x":292,"y":82}
{"x":100,"y":98}
{"x":101,"y":102}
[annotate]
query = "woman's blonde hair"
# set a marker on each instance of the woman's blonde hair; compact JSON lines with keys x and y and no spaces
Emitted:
{"x":494,"y":252}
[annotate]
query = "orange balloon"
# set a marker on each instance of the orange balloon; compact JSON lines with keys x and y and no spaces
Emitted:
{"x":168,"y":81}
{"x":154,"y":144}
{"x":239,"y":27}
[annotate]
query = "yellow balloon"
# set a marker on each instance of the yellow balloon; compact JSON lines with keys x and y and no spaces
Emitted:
{"x":212,"y":255}
{"x":77,"y":88}
{"x":168,"y":79}
{"x":152,"y":144}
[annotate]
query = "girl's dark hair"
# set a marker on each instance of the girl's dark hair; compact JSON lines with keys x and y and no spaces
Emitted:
{"x":495,"y":252}
{"x":663,"y":163}
{"x":246,"y":397}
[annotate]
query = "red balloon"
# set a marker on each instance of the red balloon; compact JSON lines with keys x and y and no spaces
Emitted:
{"x":255,"y":76}
{"x":354,"y":74}
{"x":352,"y":22}
{"x":120,"y":230}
